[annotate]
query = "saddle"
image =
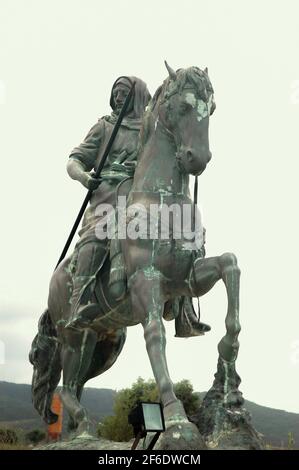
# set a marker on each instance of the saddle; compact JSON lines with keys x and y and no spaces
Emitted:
{"x":180,"y":309}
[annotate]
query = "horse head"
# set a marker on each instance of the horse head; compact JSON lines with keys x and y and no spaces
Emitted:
{"x":185,"y":105}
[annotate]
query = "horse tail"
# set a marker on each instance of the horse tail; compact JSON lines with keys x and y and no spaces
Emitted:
{"x":45,"y":358}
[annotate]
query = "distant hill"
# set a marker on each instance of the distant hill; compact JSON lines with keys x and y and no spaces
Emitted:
{"x":274,"y":424}
{"x":16,"y":410}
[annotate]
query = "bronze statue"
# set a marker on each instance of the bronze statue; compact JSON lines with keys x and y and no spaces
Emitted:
{"x":90,"y":252}
{"x":150,"y":273}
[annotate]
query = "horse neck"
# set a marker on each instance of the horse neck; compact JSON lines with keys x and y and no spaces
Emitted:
{"x":157,"y":170}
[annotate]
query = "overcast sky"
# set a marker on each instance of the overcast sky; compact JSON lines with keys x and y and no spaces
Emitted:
{"x":58,"y":60}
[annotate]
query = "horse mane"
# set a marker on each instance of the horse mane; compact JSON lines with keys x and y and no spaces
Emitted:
{"x":148,"y":121}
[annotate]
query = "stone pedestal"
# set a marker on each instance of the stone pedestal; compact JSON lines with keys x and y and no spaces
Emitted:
{"x":222,"y":423}
{"x":222,"y":420}
{"x":181,"y":437}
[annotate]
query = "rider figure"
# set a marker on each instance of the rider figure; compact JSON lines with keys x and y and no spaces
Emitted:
{"x":90,"y":251}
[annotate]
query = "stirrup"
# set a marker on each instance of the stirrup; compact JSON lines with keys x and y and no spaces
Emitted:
{"x":188,"y":330}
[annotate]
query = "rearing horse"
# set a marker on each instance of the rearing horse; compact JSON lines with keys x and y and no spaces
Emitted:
{"x":174,"y":143}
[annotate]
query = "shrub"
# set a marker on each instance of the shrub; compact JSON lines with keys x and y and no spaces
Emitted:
{"x":8,"y":436}
{"x":35,"y":436}
{"x":117,"y":428}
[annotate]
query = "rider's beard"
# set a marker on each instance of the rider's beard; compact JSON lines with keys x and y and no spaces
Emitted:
{"x":118,"y":108}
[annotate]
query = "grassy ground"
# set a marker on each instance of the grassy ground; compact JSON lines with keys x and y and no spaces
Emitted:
{"x":14,"y":447}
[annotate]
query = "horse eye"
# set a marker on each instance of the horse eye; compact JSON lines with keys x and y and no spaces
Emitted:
{"x":185,"y":107}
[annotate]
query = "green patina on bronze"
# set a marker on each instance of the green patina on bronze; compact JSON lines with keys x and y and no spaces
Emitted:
{"x":83,"y":335}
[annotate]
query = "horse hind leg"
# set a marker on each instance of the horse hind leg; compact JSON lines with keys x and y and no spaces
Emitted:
{"x":148,"y":302}
{"x":72,"y":425}
{"x":105,"y":354}
{"x":77,"y":353}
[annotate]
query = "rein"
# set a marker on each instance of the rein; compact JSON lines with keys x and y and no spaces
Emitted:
{"x":195,"y":191}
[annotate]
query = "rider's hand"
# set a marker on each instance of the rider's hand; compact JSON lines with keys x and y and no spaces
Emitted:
{"x":89,"y":181}
{"x":117,"y":167}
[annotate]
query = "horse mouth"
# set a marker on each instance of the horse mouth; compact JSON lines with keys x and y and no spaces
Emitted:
{"x":180,"y":164}
{"x":197,"y":173}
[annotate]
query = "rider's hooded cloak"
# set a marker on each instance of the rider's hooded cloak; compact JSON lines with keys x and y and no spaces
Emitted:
{"x":123,"y":150}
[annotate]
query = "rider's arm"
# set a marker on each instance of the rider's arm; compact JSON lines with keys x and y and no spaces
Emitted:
{"x":83,"y":158}
{"x":77,"y":171}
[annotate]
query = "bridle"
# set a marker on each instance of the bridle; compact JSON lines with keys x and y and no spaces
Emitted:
{"x":170,"y":134}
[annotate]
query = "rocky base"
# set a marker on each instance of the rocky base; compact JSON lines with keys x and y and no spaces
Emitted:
{"x":220,"y":424}
{"x":181,"y":437}
{"x":86,"y":442}
{"x":220,"y":429}
{"x":222,"y":420}
{"x":227,"y":429}
{"x":178,"y":436}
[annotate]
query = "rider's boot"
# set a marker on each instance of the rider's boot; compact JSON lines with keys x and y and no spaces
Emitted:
{"x":85,"y":308}
{"x":117,"y":278}
{"x":187,"y":323}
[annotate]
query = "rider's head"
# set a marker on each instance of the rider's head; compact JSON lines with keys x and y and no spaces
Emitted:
{"x":139,"y":101}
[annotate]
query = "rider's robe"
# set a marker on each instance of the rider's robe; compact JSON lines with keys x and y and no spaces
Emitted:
{"x":117,"y":168}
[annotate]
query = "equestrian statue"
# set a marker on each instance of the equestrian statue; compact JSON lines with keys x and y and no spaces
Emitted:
{"x":114,"y":280}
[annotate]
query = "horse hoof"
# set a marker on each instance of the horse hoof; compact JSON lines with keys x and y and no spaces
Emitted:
{"x":85,"y":435}
{"x":181,"y":436}
{"x":84,"y":430}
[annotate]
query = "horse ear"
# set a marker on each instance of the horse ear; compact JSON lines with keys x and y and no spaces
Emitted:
{"x":171,"y":72}
{"x":206,"y":71}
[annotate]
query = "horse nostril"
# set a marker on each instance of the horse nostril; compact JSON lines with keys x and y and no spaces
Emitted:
{"x":189,"y":155}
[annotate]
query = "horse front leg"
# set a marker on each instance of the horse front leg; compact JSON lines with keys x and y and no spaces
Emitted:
{"x":207,"y":272}
{"x":222,"y":419}
{"x":230,"y":272}
{"x":227,"y":380}
{"x":226,"y":377}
